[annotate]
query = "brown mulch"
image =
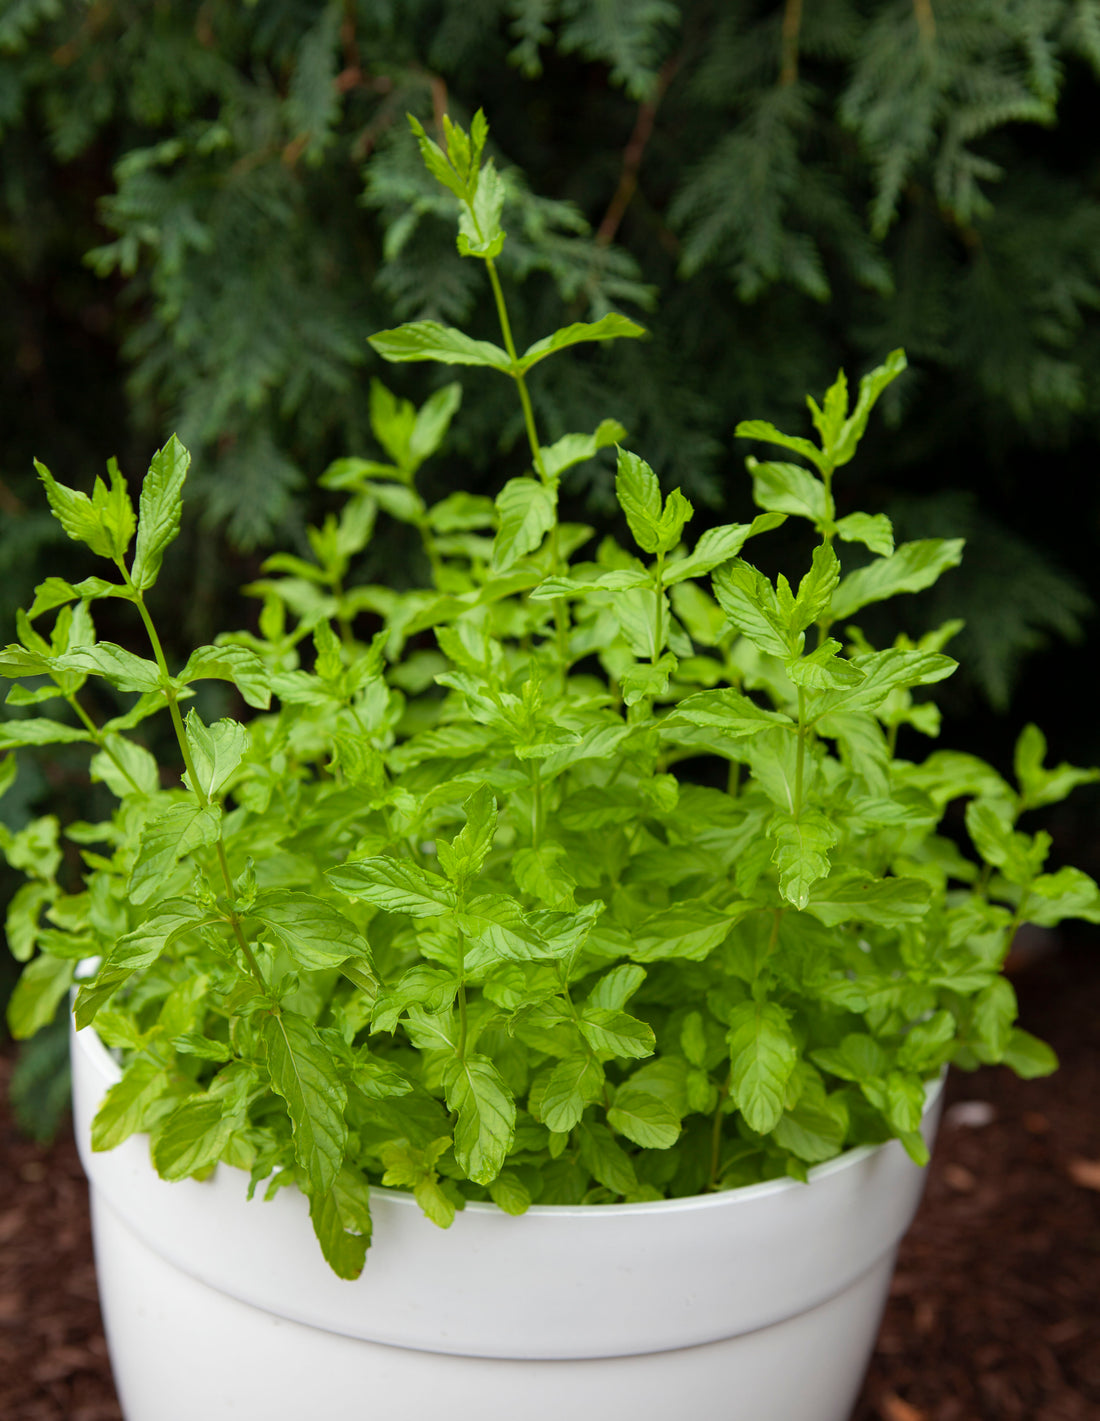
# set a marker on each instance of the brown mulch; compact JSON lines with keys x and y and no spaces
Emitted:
{"x":995,"y":1310}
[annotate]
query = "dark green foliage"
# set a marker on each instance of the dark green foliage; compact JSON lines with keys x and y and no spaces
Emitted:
{"x":782,"y":188}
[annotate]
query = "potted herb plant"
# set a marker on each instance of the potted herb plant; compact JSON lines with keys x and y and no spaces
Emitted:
{"x":580,"y":901}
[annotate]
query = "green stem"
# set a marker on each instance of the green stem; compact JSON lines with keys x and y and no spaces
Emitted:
{"x":536,"y":805}
{"x":510,"y":347}
{"x":462,"y":1025}
{"x":716,"y":1136}
{"x":189,"y":765}
{"x":659,"y":627}
{"x":800,"y":762}
{"x":101,"y":740}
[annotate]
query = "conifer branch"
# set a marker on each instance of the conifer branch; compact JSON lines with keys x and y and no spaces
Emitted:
{"x":792,"y":24}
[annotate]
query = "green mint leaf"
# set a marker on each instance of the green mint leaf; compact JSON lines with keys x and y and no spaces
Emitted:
{"x":1028,"y":1056}
{"x":41,"y":989}
{"x":763,"y":1056}
{"x":750,"y":603}
{"x":125,"y":767}
{"x":496,"y":929}
{"x":928,"y":1043}
{"x":829,"y":421}
{"x":397,"y":885}
{"x":842,"y":444}
{"x":605,"y":1159}
{"x":191,"y":1138}
{"x":762,"y":430}
{"x":573,"y":449}
{"x":619,"y":581}
{"x":904,"y":1104}
{"x":471,"y":845}
{"x":159,"y":511}
{"x":437,"y":162}
{"x":39,"y":731}
{"x":137,"y":950}
{"x":18,"y":661}
{"x":115,"y":511}
{"x":508,"y":1192}
{"x":824,"y":669}
{"x":719,"y":545}
{"x":432,"y":422}
{"x":216,"y":752}
{"x":21,"y":924}
{"x":54,"y":592}
{"x":816,"y":1127}
{"x":685,"y":930}
{"x":875,"y":531}
{"x":1038,"y":785}
{"x":675,"y":516}
{"x":613,"y":1033}
{"x":609,"y":327}
{"x":231,"y":663}
{"x":82,"y":520}
{"x":316,"y":934}
{"x":432,"y":987}
{"x":881,"y":672}
{"x":428,"y":340}
{"x":859,"y":898}
{"x":644,"y":1118}
{"x":461,"y":512}
{"x":303,"y":1073}
{"x":479,"y":231}
{"x":816,"y":588}
{"x":1069,"y":893}
{"x":574,"y":1083}
{"x":802,"y":852}
{"x":639,"y":496}
{"x":477,"y":1093}
{"x":645,"y":680}
{"x":126,"y":1107}
{"x":913,"y":567}
{"x":166,"y":839}
{"x":789,"y":488}
{"x":526,"y":510}
{"x":341,"y":1220}
{"x":122,"y":668}
{"x":726,"y":710}
{"x":656,"y":527}
{"x":392,"y":421}
{"x":540,"y":873}
{"x":615,"y":988}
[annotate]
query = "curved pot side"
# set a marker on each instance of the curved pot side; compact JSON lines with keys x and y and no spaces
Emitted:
{"x":555,"y":1283}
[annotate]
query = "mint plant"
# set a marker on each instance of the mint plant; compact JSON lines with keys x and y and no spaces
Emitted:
{"x":559,"y":879}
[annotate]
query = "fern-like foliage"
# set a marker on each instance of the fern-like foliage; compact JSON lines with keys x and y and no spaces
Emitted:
{"x":777,"y":188}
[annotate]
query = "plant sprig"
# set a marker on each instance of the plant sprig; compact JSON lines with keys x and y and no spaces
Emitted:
{"x":446,"y":913}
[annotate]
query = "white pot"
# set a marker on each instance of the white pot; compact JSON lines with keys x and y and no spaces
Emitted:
{"x":758,"y":1304}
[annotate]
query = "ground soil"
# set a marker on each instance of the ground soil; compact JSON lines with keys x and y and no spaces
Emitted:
{"x":994,"y":1314}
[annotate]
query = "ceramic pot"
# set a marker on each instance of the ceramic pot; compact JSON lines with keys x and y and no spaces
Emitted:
{"x":757,"y":1304}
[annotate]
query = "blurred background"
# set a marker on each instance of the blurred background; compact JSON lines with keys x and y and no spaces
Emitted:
{"x":206,"y":206}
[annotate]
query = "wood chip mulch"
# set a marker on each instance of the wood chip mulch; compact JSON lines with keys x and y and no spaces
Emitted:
{"x":994,"y":1313}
